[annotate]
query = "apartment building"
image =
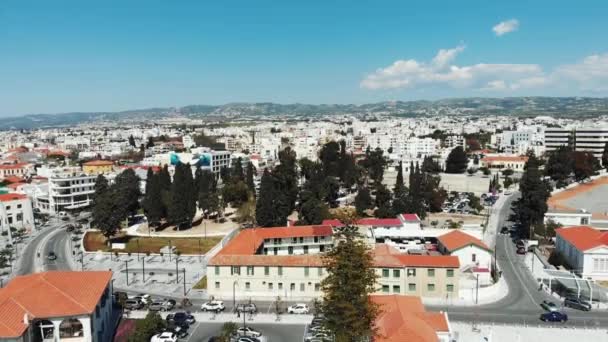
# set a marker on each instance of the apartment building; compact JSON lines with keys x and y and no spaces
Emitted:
{"x":97,"y":167}
{"x":581,"y":139}
{"x":16,"y":170}
{"x":69,"y":188}
{"x":16,"y":211}
{"x":286,"y":262}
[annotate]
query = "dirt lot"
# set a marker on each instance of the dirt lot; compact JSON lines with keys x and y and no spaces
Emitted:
{"x":95,"y":241}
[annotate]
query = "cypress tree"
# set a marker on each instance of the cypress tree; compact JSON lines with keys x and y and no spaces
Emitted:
{"x":250,"y":178}
{"x":457,"y":161}
{"x":363,"y":200}
{"x":149,"y":176}
{"x":180,"y":207}
{"x":272,"y":207}
{"x":152,"y":203}
{"x":128,"y":191}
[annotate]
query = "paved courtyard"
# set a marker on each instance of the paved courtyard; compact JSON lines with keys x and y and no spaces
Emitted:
{"x":592,"y":196}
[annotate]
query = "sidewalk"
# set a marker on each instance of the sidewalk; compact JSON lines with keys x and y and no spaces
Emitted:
{"x":231,"y":317}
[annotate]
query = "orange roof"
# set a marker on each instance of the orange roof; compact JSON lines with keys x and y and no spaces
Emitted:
{"x":49,"y":294}
{"x":99,"y":163}
{"x":13,"y":166}
{"x":457,"y":239}
{"x":583,"y":237}
{"x":515,"y":159}
{"x":403,"y":318}
{"x":387,"y":256}
{"x":13,"y":179}
{"x":11,"y":197}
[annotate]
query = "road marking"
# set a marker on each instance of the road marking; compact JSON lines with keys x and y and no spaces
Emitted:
{"x":190,"y":334}
{"x":517,"y":274}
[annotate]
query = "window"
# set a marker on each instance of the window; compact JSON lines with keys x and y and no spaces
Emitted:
{"x":217,"y":270}
{"x":396,"y":273}
{"x":276,"y":251}
{"x":18,"y":206}
{"x":306,"y":271}
{"x":411,"y":287}
{"x":385,"y":273}
{"x":280,"y":270}
{"x":292,"y":287}
{"x":319,"y":271}
{"x":270,"y":286}
{"x":302,"y":287}
{"x":235,"y":270}
{"x":8,"y":207}
{"x":321,"y":248}
{"x":316,"y":239}
{"x":290,"y":250}
{"x":385,"y":288}
{"x":301,"y":240}
{"x":450,"y":288}
{"x":396,"y":289}
{"x":317,"y":287}
{"x":247,"y":286}
{"x":280,"y":286}
{"x":430,"y":287}
{"x":294,"y":240}
{"x":305,"y":249}
{"x":411,"y":272}
{"x":249,"y":270}
{"x":450,"y":273}
{"x":431,"y":272}
{"x":473,"y":257}
{"x":217,"y":284}
{"x":266,"y":270}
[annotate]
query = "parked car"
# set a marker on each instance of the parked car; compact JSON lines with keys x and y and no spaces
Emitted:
{"x":161,"y":305}
{"x":133,"y":304}
{"x":69,"y":228}
{"x":247,"y":331}
{"x":247,"y":339}
{"x":179,"y":331}
{"x":577,"y":303}
{"x":180,"y":317}
{"x":144,"y":298}
{"x":165,"y":336}
{"x":521,"y":250}
{"x":554,"y":316}
{"x":298,"y":309}
{"x":504,"y":230}
{"x":51,"y":256}
{"x":520,"y":243}
{"x":214,"y":305}
{"x":549,"y":306}
{"x":319,"y":336}
{"x":246,"y":308}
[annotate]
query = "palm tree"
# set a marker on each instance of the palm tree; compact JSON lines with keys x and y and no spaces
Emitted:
{"x":228,"y":330}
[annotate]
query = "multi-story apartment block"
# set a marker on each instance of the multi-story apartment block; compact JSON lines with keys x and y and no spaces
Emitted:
{"x":69,"y":189}
{"x":581,"y":139}
{"x":287,"y":262}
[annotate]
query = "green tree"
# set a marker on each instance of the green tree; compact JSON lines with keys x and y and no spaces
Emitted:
{"x":330,"y":159}
{"x":457,"y":161}
{"x":181,"y":209}
{"x":108,"y":213}
{"x":101,"y":187}
{"x":246,"y":212}
{"x":249,"y":178}
{"x":132,"y":141}
{"x":374,"y":163}
{"x":128,"y":191}
{"x":605,"y":156}
{"x":350,"y":280}
{"x":429,"y":165}
{"x":400,"y":204}
{"x":152,"y":203}
{"x":312,"y":212}
{"x":363,"y":200}
{"x":383,"y":202}
{"x":584,"y":165}
{"x":286,"y":180}
{"x":150,"y":142}
{"x":149,"y":175}
{"x":229,"y":329}
{"x":235,"y":193}
{"x":272,"y":207}
{"x":560,"y":165}
{"x":147,"y":327}
{"x":237,"y":171}
{"x":530,"y":209}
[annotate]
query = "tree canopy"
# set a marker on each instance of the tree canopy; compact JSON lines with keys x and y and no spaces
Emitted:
{"x":457,"y":161}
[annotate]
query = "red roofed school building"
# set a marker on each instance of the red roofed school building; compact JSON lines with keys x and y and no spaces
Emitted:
{"x":403,"y":318}
{"x":18,"y":169}
{"x":264,"y":263}
{"x":58,"y":306}
{"x":515,"y":163}
{"x":586,"y":250}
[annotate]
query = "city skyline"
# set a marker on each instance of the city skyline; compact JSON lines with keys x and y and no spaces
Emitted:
{"x":75,"y":57}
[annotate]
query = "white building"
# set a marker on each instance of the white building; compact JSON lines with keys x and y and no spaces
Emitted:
{"x":59,"y":306}
{"x":16,"y":211}
{"x":69,"y":188}
{"x":471,"y":251}
{"x":568,"y":217}
{"x":585,"y":249}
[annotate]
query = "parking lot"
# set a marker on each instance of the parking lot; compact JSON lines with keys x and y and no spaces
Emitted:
{"x":203,"y":331}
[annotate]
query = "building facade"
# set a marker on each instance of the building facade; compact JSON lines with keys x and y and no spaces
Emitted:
{"x":98,"y":167}
{"x":16,"y":211}
{"x":70,"y":189}
{"x":585,"y":249}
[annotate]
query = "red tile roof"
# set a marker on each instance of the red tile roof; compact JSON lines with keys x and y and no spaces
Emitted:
{"x":49,"y":294}
{"x":457,"y":239}
{"x":410,"y":217}
{"x":387,"y":256}
{"x":514,"y":159}
{"x":13,"y":166}
{"x":375,"y":222}
{"x":404,"y":318}
{"x":11,"y":197}
{"x":583,"y":238}
{"x":13,"y":179}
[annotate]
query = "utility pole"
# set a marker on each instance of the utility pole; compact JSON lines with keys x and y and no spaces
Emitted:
{"x":200,"y":251}
{"x":127,"y":270}
{"x":143,"y":269}
{"x":477,"y":290}
{"x":138,"y":250}
{"x":176,"y":270}
{"x":170,"y":250}
{"x":184,"y":269}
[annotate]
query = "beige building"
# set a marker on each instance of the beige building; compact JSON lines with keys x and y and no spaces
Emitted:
{"x":246,"y":268}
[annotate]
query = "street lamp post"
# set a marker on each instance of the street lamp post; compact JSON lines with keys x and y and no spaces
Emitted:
{"x":184,"y":269}
{"x":138,"y":250}
{"x":127,"y":270}
{"x":234,"y":294}
{"x":200,"y":251}
{"x":477,"y":290}
{"x":143,"y":269}
{"x":176,"y":270}
{"x":170,"y":250}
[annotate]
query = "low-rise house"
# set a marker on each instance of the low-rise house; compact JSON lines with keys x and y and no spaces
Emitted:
{"x":97,"y":167}
{"x":404,"y":318}
{"x":16,"y":211}
{"x":58,"y":306}
{"x":499,"y":162}
{"x":564,"y":217}
{"x":585,"y":249}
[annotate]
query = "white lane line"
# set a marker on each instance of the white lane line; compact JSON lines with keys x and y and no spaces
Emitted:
{"x":517,"y":275}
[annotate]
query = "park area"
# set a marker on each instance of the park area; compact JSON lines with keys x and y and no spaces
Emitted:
{"x":94,"y":241}
{"x":592,"y":196}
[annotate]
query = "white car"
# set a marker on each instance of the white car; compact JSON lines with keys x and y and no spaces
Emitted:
{"x":166,"y":336}
{"x":144,"y":298}
{"x":214,"y":305}
{"x":298,"y":309}
{"x":247,"y":331}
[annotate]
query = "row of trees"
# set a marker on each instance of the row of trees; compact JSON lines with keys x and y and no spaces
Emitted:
{"x":564,"y":164}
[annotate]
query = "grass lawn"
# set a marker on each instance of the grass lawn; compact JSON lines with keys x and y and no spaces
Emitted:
{"x":95,"y":241}
{"x":202,"y":284}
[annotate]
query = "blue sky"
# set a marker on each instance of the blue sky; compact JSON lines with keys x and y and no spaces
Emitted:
{"x":62,"y":56}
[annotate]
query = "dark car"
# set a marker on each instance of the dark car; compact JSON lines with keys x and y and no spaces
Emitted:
{"x":179,"y":318}
{"x":51,"y":256}
{"x":504,"y":230}
{"x":247,"y":308}
{"x":577,"y":303}
{"x":554,"y":316}
{"x":521,"y":250}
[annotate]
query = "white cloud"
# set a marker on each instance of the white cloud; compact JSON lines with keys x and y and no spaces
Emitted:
{"x":440,"y":71}
{"x":587,"y":76}
{"x":505,"y":27}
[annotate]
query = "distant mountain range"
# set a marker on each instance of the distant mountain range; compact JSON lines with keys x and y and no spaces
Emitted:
{"x":573,"y":107}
